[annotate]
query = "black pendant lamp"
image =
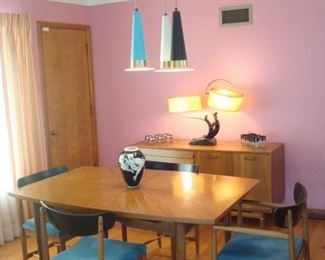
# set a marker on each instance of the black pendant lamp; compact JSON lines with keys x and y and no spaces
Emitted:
{"x":178,"y":50}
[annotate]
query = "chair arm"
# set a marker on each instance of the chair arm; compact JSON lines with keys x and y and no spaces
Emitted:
{"x":264,"y":204}
{"x":253,"y":231}
{"x":165,"y":228}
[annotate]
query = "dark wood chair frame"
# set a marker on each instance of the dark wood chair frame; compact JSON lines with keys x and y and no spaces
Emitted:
{"x":21,"y":182}
{"x":159,"y":226}
{"x":285,"y":218}
{"x":75,"y":223}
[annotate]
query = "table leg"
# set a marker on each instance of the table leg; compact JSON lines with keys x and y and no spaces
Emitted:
{"x":179,"y":241}
{"x":173,"y":247}
{"x":227,"y":223}
{"x":36,"y":210}
{"x":213,"y":244}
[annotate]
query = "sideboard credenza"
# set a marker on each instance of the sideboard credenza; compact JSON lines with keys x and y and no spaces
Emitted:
{"x":228,"y":158}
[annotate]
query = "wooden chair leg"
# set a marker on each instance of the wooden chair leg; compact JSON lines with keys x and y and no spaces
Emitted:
{"x":306,"y":234}
{"x":62,"y":246}
{"x":197,"y":239}
{"x":262,"y":220}
{"x":214,"y":244}
{"x":227,"y":222}
{"x":124,"y":232}
{"x":239,"y":215}
{"x":22,"y":230}
{"x":159,"y":239}
{"x":100,"y":239}
{"x":44,"y":245}
{"x":143,"y":257}
{"x":173,"y":247}
{"x":24,"y":244}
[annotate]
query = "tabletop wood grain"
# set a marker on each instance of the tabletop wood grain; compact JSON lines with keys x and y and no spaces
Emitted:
{"x":165,"y":196}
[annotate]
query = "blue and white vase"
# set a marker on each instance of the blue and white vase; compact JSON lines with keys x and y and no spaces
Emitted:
{"x":132,"y":162}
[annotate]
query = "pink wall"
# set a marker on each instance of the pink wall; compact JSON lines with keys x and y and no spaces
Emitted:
{"x":278,"y":63}
{"x":42,"y":10}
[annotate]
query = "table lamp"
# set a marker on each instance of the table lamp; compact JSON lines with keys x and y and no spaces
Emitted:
{"x":220,"y":97}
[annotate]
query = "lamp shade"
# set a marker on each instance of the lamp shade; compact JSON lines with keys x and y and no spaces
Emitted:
{"x":184,"y":104}
{"x":138,"y":50}
{"x":178,"y":50}
{"x":165,"y":42}
{"x":225,"y":99}
{"x":178,"y":44}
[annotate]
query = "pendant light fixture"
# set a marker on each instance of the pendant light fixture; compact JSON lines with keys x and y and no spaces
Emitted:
{"x":178,"y":50}
{"x":138,"y":50}
{"x":172,"y":45}
{"x":165,"y":42}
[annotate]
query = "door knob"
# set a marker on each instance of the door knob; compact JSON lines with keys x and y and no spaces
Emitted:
{"x":54,"y":133}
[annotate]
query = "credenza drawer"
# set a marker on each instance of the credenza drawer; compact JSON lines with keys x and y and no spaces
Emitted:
{"x":162,"y":155}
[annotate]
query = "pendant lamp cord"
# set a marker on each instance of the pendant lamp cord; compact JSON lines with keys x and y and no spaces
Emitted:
{"x":176,"y":4}
{"x":165,"y":6}
{"x":135,"y":4}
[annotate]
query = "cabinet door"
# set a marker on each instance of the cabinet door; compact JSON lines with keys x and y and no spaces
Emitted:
{"x":257,"y":166}
{"x":214,"y":162}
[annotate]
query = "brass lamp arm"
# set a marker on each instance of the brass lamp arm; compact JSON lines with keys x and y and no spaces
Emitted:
{"x":215,"y":80}
{"x":191,"y":117}
{"x":209,"y":138}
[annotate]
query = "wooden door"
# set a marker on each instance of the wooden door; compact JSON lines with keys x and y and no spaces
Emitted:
{"x":68,"y":91}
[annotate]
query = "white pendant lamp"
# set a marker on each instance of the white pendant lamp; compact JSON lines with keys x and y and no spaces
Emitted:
{"x":172,"y":45}
{"x":165,"y":42}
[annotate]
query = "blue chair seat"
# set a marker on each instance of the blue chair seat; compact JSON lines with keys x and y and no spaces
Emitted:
{"x":51,"y":230}
{"x":253,"y":247}
{"x":86,"y":248}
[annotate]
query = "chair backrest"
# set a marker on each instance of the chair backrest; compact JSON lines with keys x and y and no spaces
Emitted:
{"x":41,"y":176}
{"x":281,"y":214}
{"x":78,"y":224}
{"x":299,"y":193}
{"x":185,"y":167}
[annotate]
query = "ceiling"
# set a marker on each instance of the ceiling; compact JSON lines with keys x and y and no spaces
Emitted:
{"x":88,"y":2}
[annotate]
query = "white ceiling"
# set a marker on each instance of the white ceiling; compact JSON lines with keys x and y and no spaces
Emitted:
{"x":88,"y":2}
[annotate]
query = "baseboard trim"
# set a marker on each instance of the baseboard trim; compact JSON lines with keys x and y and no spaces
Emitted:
{"x":316,"y":213}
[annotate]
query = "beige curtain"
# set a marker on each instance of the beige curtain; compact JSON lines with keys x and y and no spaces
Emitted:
{"x":21,"y":134}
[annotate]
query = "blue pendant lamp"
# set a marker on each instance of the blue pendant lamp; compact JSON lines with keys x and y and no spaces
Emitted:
{"x":138,"y":50}
{"x":178,"y":50}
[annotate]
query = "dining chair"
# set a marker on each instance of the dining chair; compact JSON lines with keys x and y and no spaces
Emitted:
{"x":29,"y":225}
{"x":261,"y":244}
{"x":154,"y":225}
{"x":86,"y":225}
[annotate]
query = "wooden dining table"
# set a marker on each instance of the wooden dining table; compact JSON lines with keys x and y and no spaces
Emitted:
{"x":175,"y":198}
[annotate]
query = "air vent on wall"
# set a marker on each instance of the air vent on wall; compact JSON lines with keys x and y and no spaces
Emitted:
{"x":235,"y":15}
